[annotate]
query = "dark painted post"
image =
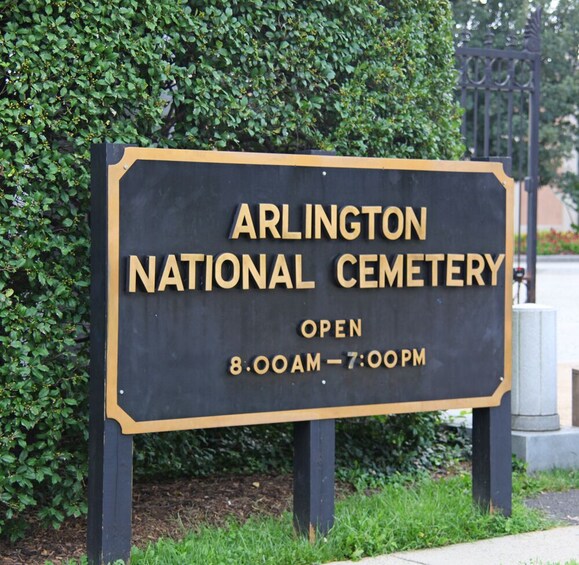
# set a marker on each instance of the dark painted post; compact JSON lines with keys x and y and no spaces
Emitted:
{"x":531,"y":276}
{"x":314,"y":462}
{"x":110,"y":452}
{"x":492,"y":482}
{"x":314,"y":467}
{"x":533,"y":45}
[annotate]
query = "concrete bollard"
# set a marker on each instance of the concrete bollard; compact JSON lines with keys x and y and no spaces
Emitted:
{"x":534,"y":394}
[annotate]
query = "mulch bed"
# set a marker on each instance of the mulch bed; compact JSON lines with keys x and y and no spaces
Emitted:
{"x":162,"y":510}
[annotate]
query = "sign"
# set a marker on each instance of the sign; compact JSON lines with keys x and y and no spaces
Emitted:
{"x":249,"y":288}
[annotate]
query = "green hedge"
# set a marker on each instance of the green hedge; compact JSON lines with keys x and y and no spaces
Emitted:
{"x":357,"y":77}
{"x":368,"y":450}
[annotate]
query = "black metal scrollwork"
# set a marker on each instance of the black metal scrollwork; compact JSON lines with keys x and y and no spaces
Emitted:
{"x":499,"y":92}
{"x":533,"y":32}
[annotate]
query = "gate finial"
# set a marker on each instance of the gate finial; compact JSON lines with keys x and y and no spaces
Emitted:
{"x":489,"y":37}
{"x":465,"y":37}
{"x":533,"y":31}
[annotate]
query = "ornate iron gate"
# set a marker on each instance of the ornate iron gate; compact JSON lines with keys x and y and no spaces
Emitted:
{"x":499,"y":91}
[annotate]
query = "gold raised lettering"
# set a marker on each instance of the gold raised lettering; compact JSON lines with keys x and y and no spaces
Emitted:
{"x":308,"y":329}
{"x":297,"y":365}
{"x":235,"y":270}
{"x":285,"y":233}
{"x":474,"y":272}
{"x":371,"y":213}
{"x":349,"y":231}
{"x":356,"y":327}
{"x":390,"y":359}
{"x":308,"y":221}
{"x":339,"y":272}
{"x":391,"y":273}
{"x":434,"y":259}
{"x":405,"y":356}
{"x":366,"y":271}
{"x":243,"y":223}
{"x":209,"y":273}
{"x":171,"y":275}
{"x":494,"y":265}
{"x":313,"y":361}
{"x":412,"y":223}
{"x":300,"y":283}
{"x":452,"y":269}
{"x":268,"y":220}
{"x":419,"y":357}
{"x":258,"y":274}
{"x":324,"y":326}
{"x":280,"y":274}
{"x":192,"y":259}
{"x":147,"y":278}
{"x":412,"y":270}
{"x":330,"y":223}
{"x":399,"y":217}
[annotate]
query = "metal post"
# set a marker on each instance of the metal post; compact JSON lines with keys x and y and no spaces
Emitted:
{"x":531,"y":276}
{"x":533,"y":45}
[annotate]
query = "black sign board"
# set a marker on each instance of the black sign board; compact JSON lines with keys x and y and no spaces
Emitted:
{"x":251,"y":288}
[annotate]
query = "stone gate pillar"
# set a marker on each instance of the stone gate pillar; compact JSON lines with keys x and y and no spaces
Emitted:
{"x":534,"y":394}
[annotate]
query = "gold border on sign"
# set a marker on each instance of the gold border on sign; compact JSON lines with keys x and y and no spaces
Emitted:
{"x":133,"y":154}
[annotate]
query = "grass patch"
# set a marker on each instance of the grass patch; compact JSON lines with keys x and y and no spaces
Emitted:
{"x":558,"y":480}
{"x":426,"y":513}
{"x":406,"y":514}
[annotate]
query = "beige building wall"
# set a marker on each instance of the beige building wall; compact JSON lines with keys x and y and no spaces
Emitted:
{"x":552,"y":211}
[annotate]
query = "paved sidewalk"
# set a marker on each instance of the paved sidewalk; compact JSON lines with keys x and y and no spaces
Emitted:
{"x":559,"y":506}
{"x":560,"y":545}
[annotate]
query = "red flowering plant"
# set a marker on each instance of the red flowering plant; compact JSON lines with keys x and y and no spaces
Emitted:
{"x":553,"y":242}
